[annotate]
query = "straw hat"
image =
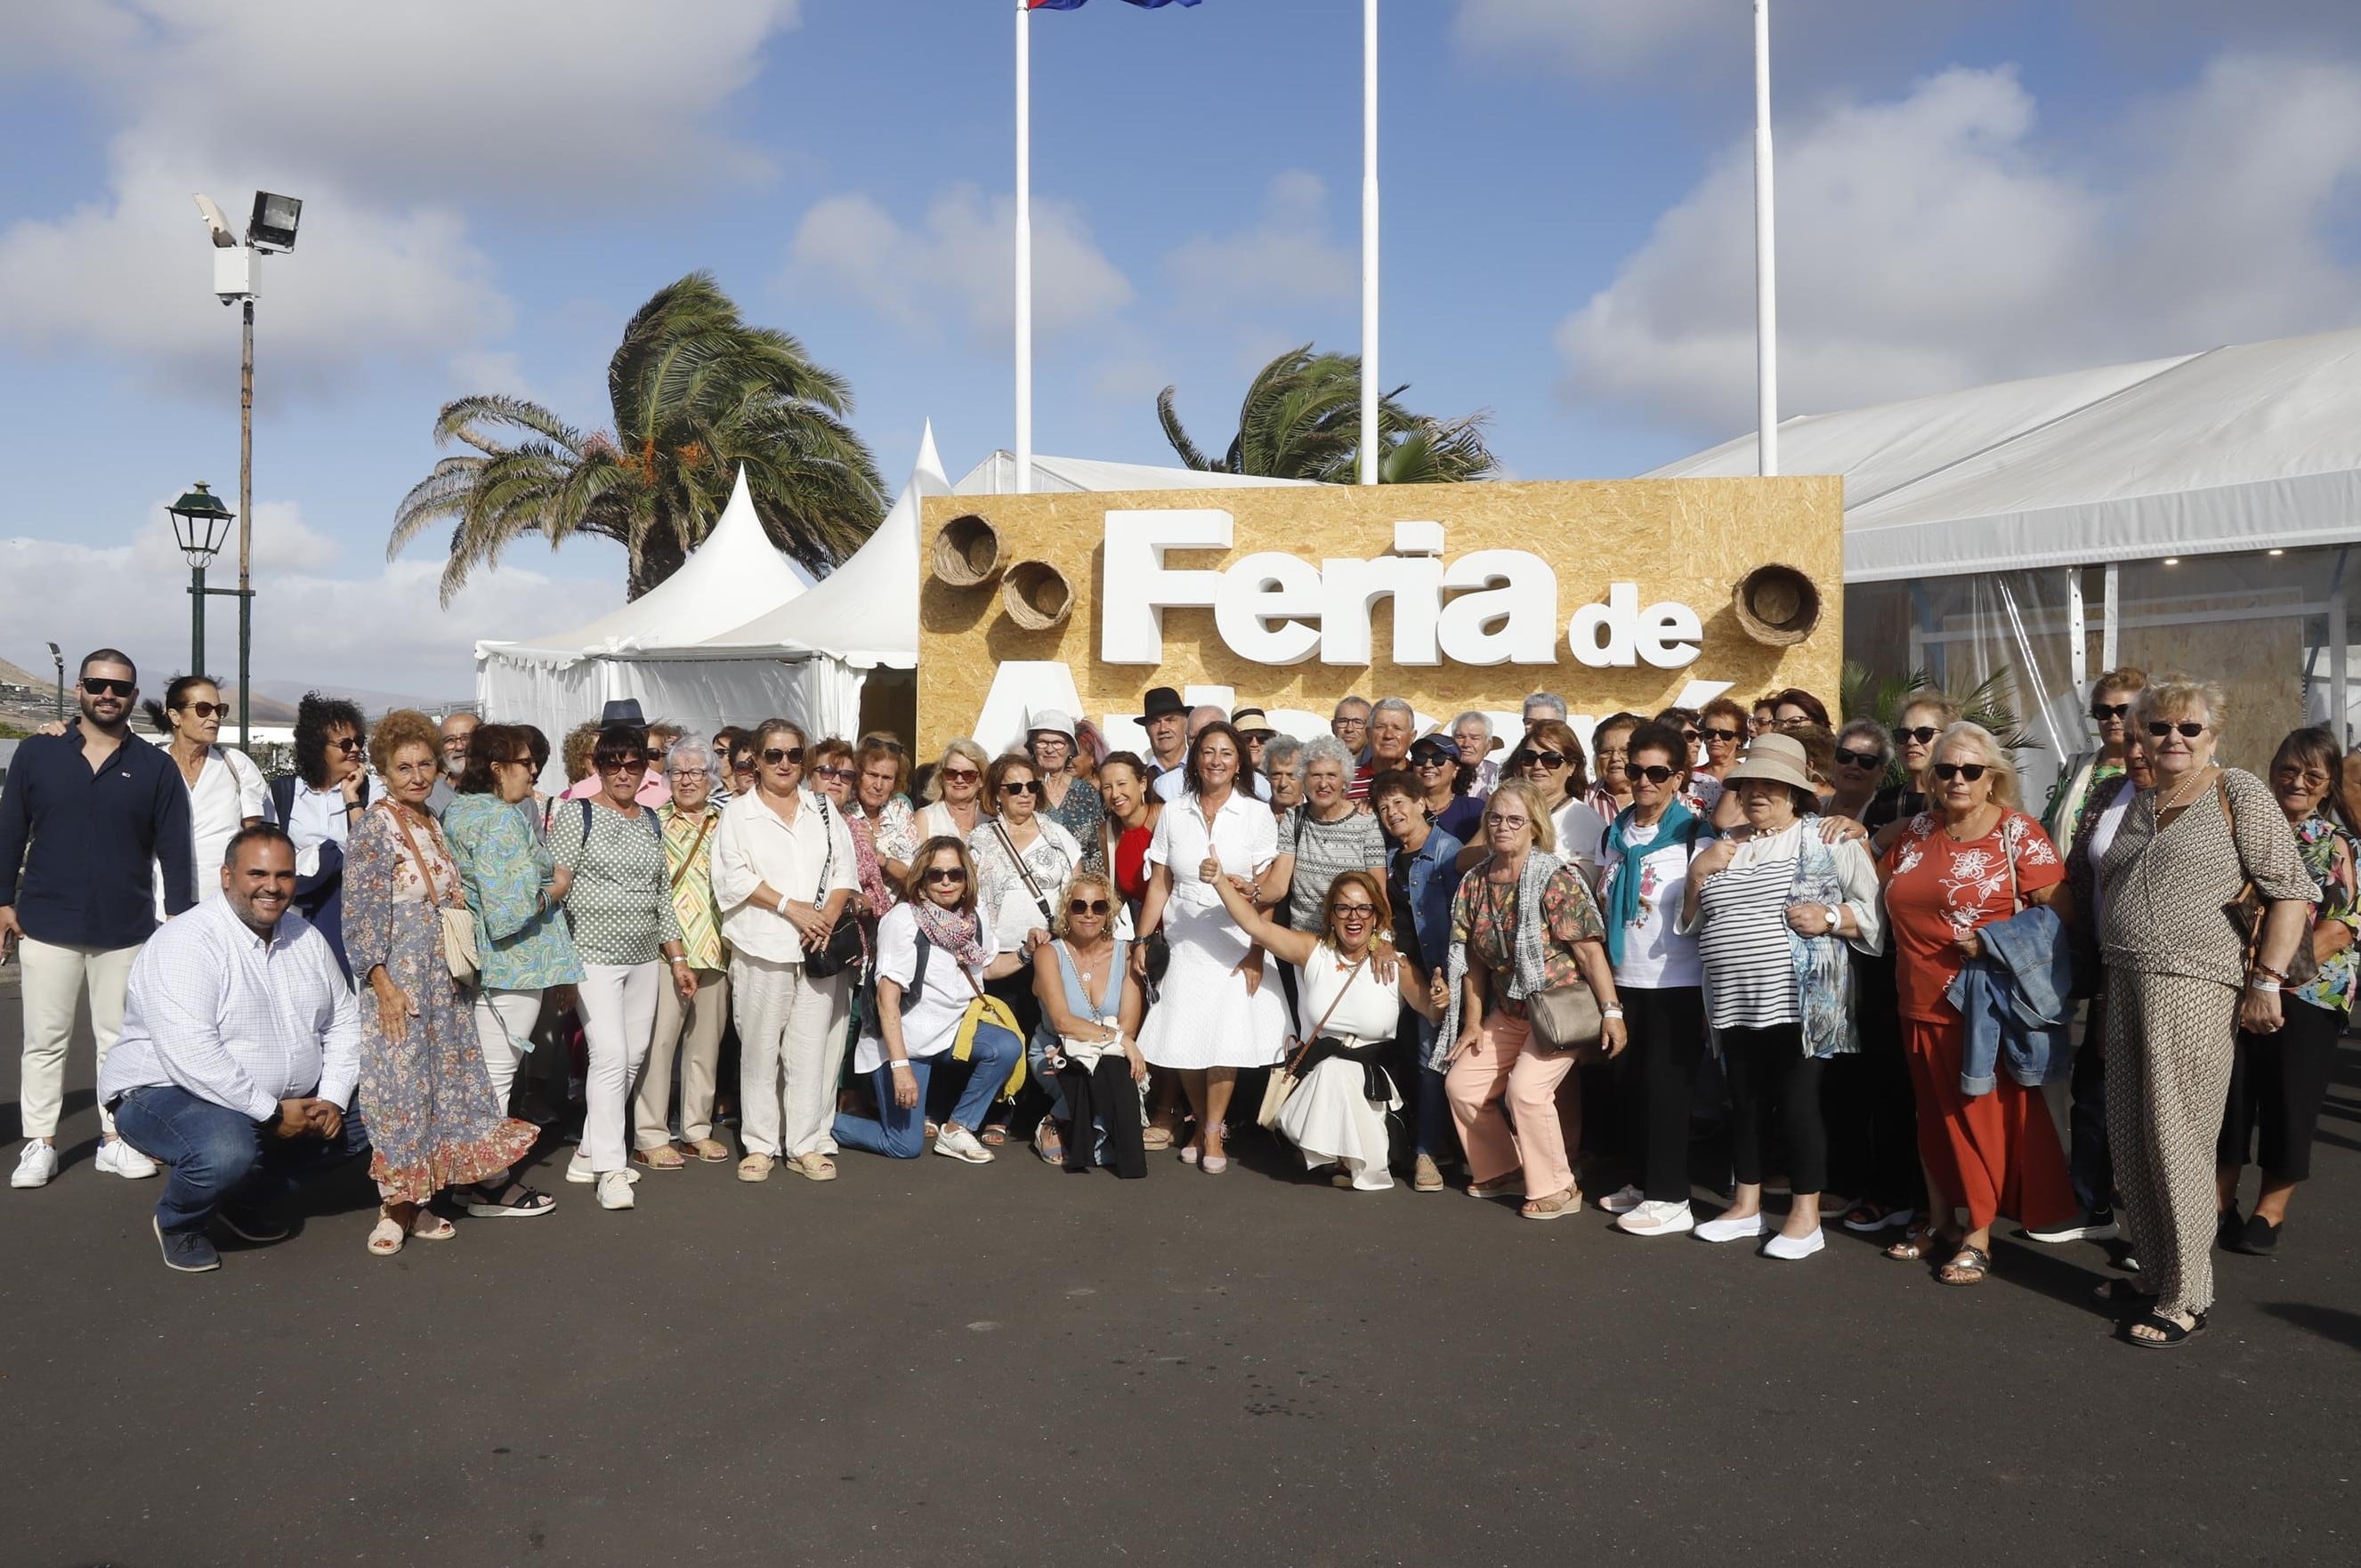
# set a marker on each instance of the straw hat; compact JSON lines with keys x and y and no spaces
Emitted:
{"x":1777,"y":759}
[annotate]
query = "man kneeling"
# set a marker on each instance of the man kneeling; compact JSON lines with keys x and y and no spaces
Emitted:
{"x":240,"y":1047}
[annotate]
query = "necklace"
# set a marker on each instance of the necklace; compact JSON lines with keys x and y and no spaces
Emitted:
{"x":2181,"y":796}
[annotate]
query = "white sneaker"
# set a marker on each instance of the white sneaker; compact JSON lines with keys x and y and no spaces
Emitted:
{"x":578,"y":1171}
{"x":960,"y":1144}
{"x":1793,"y":1249}
{"x":118,"y":1158}
{"x":1742,"y":1230}
{"x":37,"y":1166}
{"x":615,"y":1190}
{"x":1657,"y":1219}
{"x":1623,"y":1200}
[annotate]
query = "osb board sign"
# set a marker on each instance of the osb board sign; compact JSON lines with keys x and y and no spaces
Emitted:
{"x":1619,"y":595}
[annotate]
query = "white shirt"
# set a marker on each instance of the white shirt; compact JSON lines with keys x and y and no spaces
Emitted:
{"x":317,"y":816}
{"x":1656,"y":957}
{"x":235,"y":1020}
{"x":804,"y":863}
{"x":2102,"y":837}
{"x":1243,"y":834}
{"x":930,"y":1023}
{"x":1008,"y":903}
{"x":1581,"y":834}
{"x":228,"y":790}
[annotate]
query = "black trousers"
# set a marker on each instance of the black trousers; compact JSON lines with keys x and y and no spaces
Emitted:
{"x":1774,"y":1087}
{"x":1667,"y":1030}
{"x":1104,"y":1094}
{"x":2089,"y":1160}
{"x":1871,"y":1110}
{"x":2277,"y":1085}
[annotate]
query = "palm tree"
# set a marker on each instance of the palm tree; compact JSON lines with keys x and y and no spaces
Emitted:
{"x":695,"y":393}
{"x":1301,"y":420}
{"x":1991,"y":702}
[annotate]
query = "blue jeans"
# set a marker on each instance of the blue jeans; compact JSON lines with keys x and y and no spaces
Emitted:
{"x":219,"y":1155}
{"x":1420,"y":1087}
{"x":1034,"y":1050}
{"x":902,"y":1134}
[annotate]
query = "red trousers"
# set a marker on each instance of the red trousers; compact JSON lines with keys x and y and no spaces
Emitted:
{"x":1997,"y":1153}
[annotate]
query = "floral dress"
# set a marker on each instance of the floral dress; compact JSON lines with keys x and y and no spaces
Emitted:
{"x":1082,"y":814}
{"x":427,"y":1099}
{"x":2328,"y":854}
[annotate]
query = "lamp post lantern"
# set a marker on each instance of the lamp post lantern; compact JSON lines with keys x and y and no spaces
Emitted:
{"x":58,"y":654}
{"x":199,"y":523}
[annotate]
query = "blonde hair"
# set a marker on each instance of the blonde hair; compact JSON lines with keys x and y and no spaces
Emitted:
{"x":1075,"y":884}
{"x":2170,"y":696}
{"x":962,"y":747}
{"x":1928,"y":697}
{"x":2007,"y":790}
{"x":1544,"y":829}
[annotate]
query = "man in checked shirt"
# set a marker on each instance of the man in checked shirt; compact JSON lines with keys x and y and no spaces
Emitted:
{"x":240,"y":1049}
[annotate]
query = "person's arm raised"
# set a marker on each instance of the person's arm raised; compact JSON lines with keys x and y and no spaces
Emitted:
{"x":1295,"y":947}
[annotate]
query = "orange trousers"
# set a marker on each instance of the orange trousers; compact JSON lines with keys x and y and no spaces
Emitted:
{"x":1997,"y":1153}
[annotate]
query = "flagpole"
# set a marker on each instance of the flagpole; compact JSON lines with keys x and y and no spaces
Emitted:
{"x":1370,"y":443}
{"x":1766,"y":256}
{"x":1024,"y":248}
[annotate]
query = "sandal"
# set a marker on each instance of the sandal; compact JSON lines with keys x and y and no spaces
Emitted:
{"x":995,"y":1135}
{"x":1155,"y":1137}
{"x":2163,"y":1333}
{"x":1972,"y":1263}
{"x":1566,"y":1202}
{"x":1048,"y":1144}
{"x":664,"y":1157}
{"x":430,"y":1226}
{"x":385,"y":1237}
{"x":756,"y":1168}
{"x":710,"y":1151}
{"x":1917,"y":1244}
{"x":513,"y":1200}
{"x":1504,"y":1187}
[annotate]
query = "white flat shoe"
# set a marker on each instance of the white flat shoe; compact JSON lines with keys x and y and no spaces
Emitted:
{"x":1794,"y":1249}
{"x":1743,"y":1229}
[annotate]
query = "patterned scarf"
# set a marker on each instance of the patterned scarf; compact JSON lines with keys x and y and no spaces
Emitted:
{"x":1530,"y":978}
{"x":1823,"y":970}
{"x":956,"y":932}
{"x":1622,"y":909}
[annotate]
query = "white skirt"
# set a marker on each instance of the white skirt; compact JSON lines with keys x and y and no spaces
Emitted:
{"x":1334,"y":1122}
{"x":1204,"y":1015}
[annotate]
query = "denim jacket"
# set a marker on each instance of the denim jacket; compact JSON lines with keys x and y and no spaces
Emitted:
{"x":2015,"y":997}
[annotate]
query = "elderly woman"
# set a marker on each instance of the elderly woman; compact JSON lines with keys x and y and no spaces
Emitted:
{"x":1086,"y":1047}
{"x":687,"y":1030}
{"x":1471,"y":732}
{"x":1215,"y":1016}
{"x":1795,"y":706}
{"x":884,"y":807}
{"x":517,"y":895}
{"x":1550,"y":759}
{"x":1326,"y":835}
{"x":226,"y":789}
{"x":1336,"y":1115}
{"x":432,"y":1121}
{"x":1523,"y":922}
{"x":1925,"y":716}
{"x":1446,"y":787}
{"x":1974,"y":859}
{"x":935,"y":954}
{"x":784,"y":868}
{"x":1774,"y":906}
{"x":2280,"y":1077}
{"x":2089,"y":774}
{"x":1282,"y":767}
{"x":1066,"y":799}
{"x":1610,"y":740}
{"x":2182,"y":968}
{"x":1863,"y":751}
{"x":835,"y":776}
{"x":1722,"y":730}
{"x":625,"y":928}
{"x":955,"y":792}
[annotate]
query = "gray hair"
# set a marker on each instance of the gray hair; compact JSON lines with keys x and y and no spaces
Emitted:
{"x":1328,"y":748}
{"x":1282,"y":754}
{"x":693,"y":746}
{"x":1550,"y":700}
{"x":1481,"y":717}
{"x":1395,"y":704}
{"x":1871,"y":730}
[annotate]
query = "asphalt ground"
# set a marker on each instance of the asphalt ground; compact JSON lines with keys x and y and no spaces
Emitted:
{"x":926,"y":1362}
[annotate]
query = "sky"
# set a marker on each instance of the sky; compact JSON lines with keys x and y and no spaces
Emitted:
{"x":1970,"y":191}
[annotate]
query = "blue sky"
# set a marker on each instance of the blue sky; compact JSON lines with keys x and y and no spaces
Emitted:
{"x":1970,"y":192}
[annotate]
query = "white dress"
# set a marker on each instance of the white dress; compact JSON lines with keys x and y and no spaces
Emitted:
{"x":1330,"y":1116}
{"x":228,"y":790}
{"x":1204,"y":1015}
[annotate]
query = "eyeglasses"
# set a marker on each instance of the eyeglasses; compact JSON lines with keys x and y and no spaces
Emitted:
{"x":1971,"y":771}
{"x":1021,"y":786}
{"x":346,"y":743}
{"x":99,"y":686}
{"x":683,"y":773}
{"x":621,"y":764}
{"x":1356,"y":912}
{"x":2106,"y":710}
{"x":1086,"y":906}
{"x":1719,"y":734}
{"x":2188,"y":727}
{"x":510,"y":761}
{"x":1656,"y":773}
{"x":943,"y":876}
{"x":1925,"y":734}
{"x":778,"y":754}
{"x":207,"y":709}
{"x":1861,"y":759}
{"x":958,"y":775}
{"x":1618,"y":752}
{"x":2311,"y":778}
{"x":1510,"y":822}
{"x":1546,"y":758}
{"x":833,"y":773}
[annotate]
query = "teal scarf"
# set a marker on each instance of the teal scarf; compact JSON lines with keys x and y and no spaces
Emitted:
{"x":1623,"y":879}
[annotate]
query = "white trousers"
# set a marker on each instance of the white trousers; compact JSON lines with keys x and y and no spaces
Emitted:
{"x":504,"y":1021}
{"x":618,"y":1003}
{"x":55,"y":980}
{"x":790,"y":1045}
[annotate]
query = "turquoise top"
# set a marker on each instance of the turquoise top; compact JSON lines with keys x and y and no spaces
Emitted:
{"x":523,"y":946}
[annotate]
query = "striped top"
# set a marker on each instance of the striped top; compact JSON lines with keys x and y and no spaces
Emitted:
{"x":1750,"y":974}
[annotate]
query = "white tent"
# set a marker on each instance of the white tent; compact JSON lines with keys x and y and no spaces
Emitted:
{"x":996,"y":476}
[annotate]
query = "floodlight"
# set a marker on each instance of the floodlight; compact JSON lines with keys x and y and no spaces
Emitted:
{"x":272,"y":227}
{"x":223,"y":236}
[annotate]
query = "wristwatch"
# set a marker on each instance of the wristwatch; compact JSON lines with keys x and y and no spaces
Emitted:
{"x":1835,"y":920}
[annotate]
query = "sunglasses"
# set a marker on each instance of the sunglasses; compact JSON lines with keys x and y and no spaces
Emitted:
{"x":207,"y":709}
{"x":946,"y":875}
{"x":1086,"y":906}
{"x":834,"y":774}
{"x":777,"y":754}
{"x":1021,"y":786}
{"x":2104,"y":710}
{"x":2188,"y":727}
{"x":101,"y":686}
{"x":1545,"y":759}
{"x":1971,"y":771}
{"x":1431,"y":759}
{"x":958,"y":775}
{"x":621,"y":764}
{"x":1719,"y":734}
{"x":1925,"y":734}
{"x":1656,"y":773}
{"x":893,"y":746}
{"x":1865,"y":761}
{"x":348,"y":743}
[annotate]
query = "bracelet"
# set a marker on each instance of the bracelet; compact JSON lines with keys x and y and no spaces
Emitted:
{"x":903,"y":1062}
{"x":1616,"y":1012}
{"x":2266,"y":968}
{"x":2266,"y":987}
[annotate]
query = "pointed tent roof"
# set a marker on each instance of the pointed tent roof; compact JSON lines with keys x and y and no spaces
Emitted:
{"x":736,"y":573}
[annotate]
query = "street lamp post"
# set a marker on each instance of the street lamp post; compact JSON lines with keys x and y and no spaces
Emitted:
{"x":58,"y":654}
{"x":199,"y":523}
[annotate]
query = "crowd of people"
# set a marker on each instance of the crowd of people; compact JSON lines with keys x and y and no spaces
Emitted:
{"x":1412,"y":959}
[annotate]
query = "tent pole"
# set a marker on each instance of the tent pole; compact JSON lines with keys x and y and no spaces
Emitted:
{"x":1024,"y":248}
{"x":2110,"y":621}
{"x":2077,"y":636}
{"x":2336,"y":638}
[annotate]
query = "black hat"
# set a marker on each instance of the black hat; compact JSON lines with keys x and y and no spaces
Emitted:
{"x":622,"y":710}
{"x":1162,"y":700}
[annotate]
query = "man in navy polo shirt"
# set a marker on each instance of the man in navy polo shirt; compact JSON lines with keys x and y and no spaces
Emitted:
{"x":84,"y":820}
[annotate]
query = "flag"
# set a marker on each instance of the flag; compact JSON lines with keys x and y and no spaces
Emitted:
{"x":1078,"y":5}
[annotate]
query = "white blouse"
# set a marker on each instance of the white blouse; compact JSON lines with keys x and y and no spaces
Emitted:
{"x":229,"y":789}
{"x":1243,"y":833}
{"x":931,"y":1022}
{"x":1008,"y":905}
{"x":804,"y":863}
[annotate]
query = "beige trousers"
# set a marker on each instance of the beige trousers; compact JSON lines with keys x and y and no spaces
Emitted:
{"x":55,"y":979}
{"x":790,"y":1045}
{"x":692,"y":1035}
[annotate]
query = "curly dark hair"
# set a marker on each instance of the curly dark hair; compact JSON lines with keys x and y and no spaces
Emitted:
{"x":317,"y":716}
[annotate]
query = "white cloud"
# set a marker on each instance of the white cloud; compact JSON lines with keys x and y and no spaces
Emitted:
{"x":284,"y":542}
{"x":958,"y":263}
{"x":1287,"y":259}
{"x":1934,"y":242}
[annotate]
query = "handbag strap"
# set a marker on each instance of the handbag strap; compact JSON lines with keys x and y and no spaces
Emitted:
{"x":1040,"y":902}
{"x":425,"y":871}
{"x":1333,"y":1003}
{"x":691,"y":858}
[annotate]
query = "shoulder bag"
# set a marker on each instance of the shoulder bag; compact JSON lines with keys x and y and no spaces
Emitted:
{"x":843,"y":950}
{"x":1283,"y":1079}
{"x":1564,"y":1017}
{"x":460,"y":952}
{"x":2247,"y":910}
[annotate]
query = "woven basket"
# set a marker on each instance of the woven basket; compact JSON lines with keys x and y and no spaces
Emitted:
{"x":967,"y":550}
{"x":1777,"y":606}
{"x":1037,"y":595}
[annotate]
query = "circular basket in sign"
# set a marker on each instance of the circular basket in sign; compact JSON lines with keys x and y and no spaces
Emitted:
{"x":1037,"y":595}
{"x":1777,"y":606}
{"x":967,"y":550}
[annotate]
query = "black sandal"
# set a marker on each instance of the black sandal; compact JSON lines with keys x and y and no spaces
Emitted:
{"x":514,"y":1200}
{"x":2166,"y":1335}
{"x":2121,"y":1293}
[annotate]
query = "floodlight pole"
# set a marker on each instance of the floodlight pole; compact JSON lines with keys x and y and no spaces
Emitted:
{"x":1766,"y":257}
{"x":1372,"y":438}
{"x":245,"y":539}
